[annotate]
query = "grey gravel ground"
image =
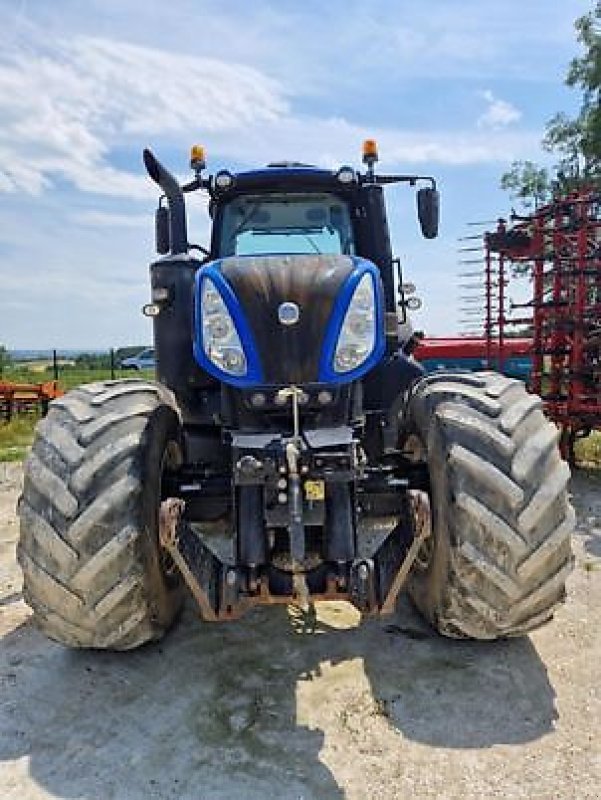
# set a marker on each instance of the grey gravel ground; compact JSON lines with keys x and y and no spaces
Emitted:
{"x":264,"y":708}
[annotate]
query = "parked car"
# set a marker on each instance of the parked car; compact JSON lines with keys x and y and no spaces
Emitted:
{"x":142,"y":360}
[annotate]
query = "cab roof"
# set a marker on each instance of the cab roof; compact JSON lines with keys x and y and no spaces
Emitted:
{"x":286,"y":176}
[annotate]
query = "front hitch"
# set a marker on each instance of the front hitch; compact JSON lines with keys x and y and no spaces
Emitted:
{"x":225,"y":591}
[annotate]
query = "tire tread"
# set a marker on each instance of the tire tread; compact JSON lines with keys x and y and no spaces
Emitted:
{"x":80,"y":548}
{"x":507,"y":515}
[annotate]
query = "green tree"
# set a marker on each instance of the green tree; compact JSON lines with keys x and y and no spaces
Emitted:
{"x":576,"y":141}
{"x":528,"y":182}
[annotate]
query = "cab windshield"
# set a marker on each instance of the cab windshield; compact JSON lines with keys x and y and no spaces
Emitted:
{"x":286,"y":224}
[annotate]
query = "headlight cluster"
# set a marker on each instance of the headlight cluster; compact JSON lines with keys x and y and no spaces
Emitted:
{"x":357,"y":337}
{"x":352,"y":343}
{"x":220,"y":339}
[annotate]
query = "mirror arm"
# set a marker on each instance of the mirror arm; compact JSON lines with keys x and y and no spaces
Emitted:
{"x":382,"y":180}
{"x":197,"y":183}
{"x":201,"y":249}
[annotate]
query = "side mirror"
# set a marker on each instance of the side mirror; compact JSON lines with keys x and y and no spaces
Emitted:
{"x":161,"y":230}
{"x":428,"y":211}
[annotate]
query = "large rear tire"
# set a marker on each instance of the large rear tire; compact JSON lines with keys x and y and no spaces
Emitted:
{"x":500,"y":554}
{"x":93,"y":571}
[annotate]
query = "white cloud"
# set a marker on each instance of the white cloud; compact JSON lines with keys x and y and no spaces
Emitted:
{"x":63,"y":108}
{"x":331,"y":141}
{"x":499,"y":113}
{"x":285,"y":81}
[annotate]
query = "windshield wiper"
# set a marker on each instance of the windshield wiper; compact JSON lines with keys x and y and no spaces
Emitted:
{"x":242,"y":223}
{"x":312,"y":243}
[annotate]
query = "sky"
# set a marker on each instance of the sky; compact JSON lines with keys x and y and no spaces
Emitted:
{"x":453,"y":88}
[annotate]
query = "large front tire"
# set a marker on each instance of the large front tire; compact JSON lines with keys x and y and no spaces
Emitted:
{"x":500,"y":554}
{"x":93,"y":572}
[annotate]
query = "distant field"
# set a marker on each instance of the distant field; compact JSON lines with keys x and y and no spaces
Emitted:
{"x":68,"y":377}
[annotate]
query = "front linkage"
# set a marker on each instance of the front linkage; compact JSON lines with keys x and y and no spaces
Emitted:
{"x":225,"y":591}
{"x":302,"y":461}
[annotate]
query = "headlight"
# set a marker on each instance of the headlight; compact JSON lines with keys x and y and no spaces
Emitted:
{"x":357,"y":337}
{"x":220,"y":340}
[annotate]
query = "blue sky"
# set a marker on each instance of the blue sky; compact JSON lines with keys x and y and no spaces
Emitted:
{"x":453,"y":88}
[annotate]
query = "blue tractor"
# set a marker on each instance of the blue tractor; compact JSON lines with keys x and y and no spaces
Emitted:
{"x":291,"y":448}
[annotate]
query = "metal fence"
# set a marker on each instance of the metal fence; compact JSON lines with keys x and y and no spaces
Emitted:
{"x":69,"y":368}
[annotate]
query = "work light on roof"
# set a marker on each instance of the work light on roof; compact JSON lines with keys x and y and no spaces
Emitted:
{"x":224,"y":180}
{"x":346,"y":175}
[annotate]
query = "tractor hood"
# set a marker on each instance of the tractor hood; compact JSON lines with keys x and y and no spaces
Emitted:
{"x":286,"y":314}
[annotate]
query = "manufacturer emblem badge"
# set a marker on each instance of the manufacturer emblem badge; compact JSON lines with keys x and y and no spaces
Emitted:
{"x":288,"y":313}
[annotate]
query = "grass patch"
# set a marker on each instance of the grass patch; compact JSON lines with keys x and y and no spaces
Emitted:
{"x":588,"y":451}
{"x":16,"y":437}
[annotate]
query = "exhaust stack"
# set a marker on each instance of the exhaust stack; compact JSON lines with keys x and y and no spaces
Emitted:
{"x":175,"y":197}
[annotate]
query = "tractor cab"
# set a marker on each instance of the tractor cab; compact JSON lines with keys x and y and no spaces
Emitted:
{"x":284,"y":223}
{"x":295,"y":240}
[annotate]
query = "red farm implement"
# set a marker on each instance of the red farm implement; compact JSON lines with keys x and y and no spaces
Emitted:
{"x":18,"y":398}
{"x":476,"y":353}
{"x":559,"y":247}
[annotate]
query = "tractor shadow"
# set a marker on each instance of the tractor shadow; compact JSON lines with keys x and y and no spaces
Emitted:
{"x":244,"y":709}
